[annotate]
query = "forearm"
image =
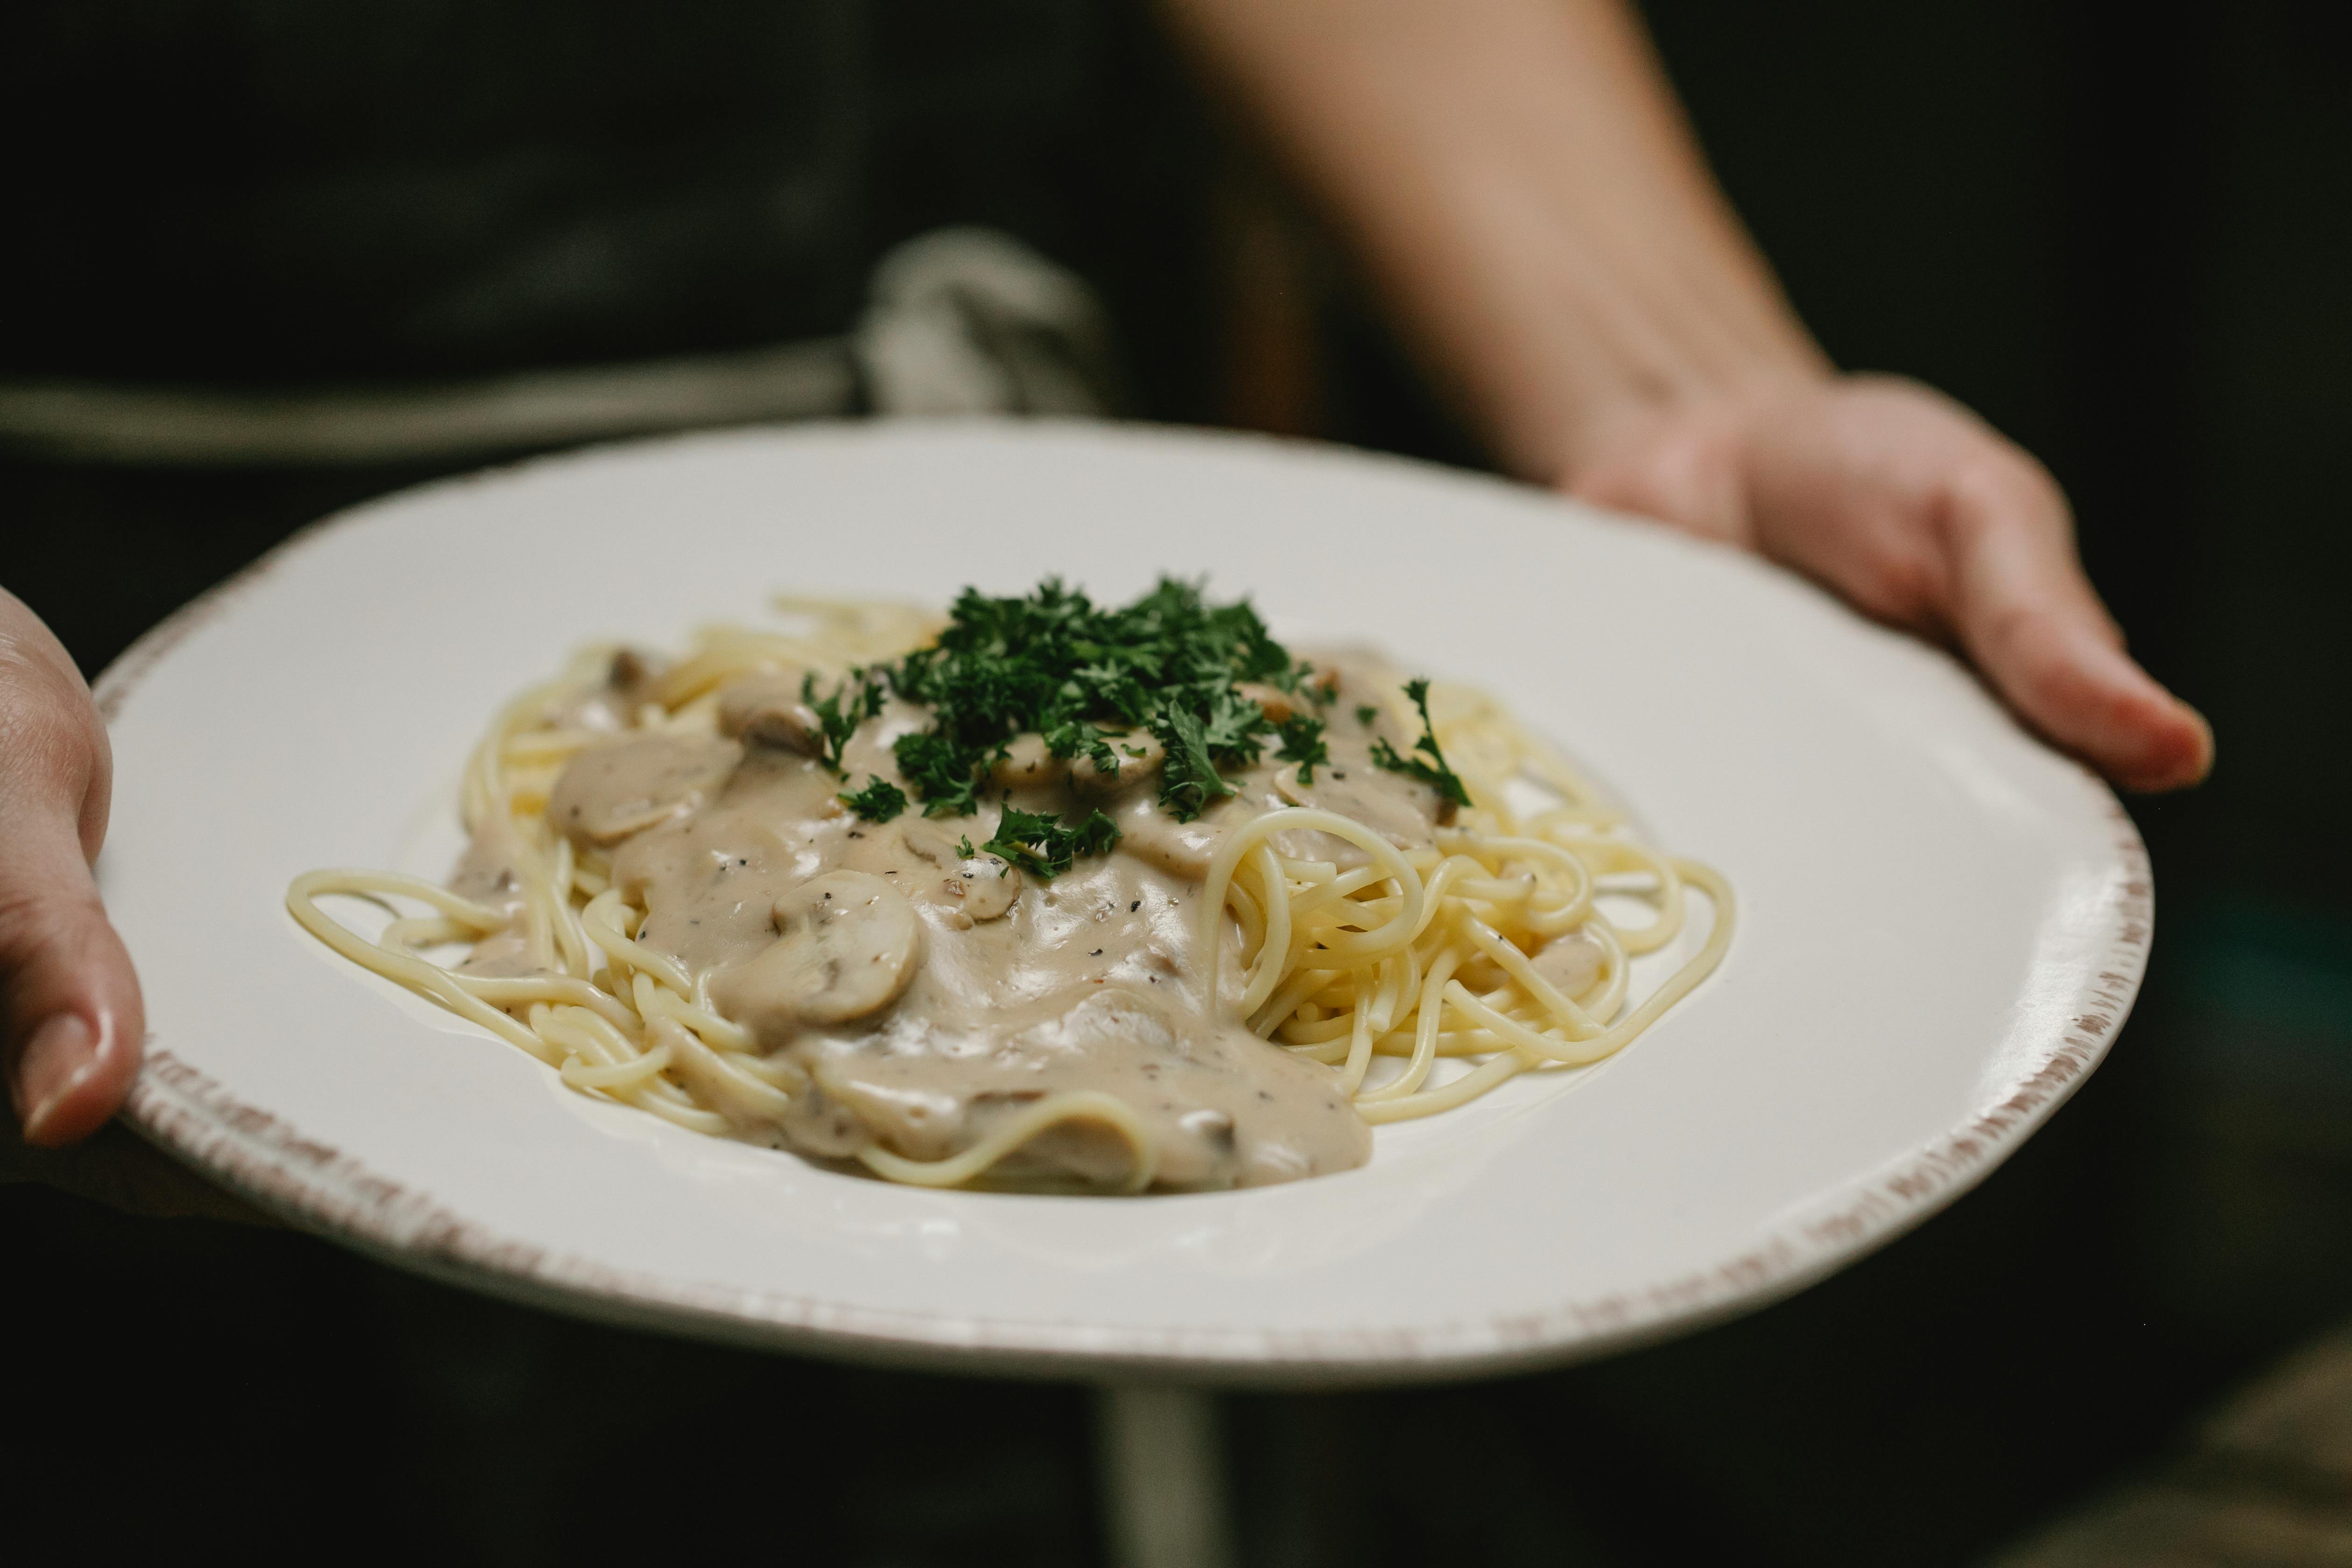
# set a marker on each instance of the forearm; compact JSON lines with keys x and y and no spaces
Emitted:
{"x":1520,"y":185}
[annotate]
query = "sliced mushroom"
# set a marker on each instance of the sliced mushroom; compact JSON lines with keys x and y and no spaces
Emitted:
{"x":769,"y":710}
{"x":1138,"y":757}
{"x":849,"y":944}
{"x":979,"y":887}
{"x":1027,"y":762}
{"x":984,"y":888}
{"x":620,"y":787}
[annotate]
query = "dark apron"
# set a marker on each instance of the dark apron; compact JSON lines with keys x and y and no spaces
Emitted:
{"x":270,"y":257}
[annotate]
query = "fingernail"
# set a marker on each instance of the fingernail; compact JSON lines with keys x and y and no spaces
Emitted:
{"x":62,"y":1055}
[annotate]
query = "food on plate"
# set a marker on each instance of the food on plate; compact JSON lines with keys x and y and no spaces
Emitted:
{"x":1044,"y":895}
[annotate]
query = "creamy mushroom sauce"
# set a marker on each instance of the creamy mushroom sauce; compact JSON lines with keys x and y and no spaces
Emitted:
{"x":918,"y":994}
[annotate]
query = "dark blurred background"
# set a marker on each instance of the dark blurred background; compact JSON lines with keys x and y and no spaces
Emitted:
{"x":2125,"y":240}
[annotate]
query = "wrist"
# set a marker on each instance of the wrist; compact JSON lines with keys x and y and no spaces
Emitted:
{"x":1566,"y":404}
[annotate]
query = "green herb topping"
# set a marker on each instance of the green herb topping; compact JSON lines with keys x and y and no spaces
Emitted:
{"x":838,"y":716}
{"x":1433,"y":773}
{"x":1302,"y":742}
{"x":1189,"y":779}
{"x":879,"y":801}
{"x":1056,"y":664}
{"x":1040,"y":844}
{"x":1366,"y":713}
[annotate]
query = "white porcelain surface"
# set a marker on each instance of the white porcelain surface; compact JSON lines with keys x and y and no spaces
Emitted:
{"x":1942,"y":922}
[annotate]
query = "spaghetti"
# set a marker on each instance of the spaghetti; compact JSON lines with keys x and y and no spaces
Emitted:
{"x":675,"y":899}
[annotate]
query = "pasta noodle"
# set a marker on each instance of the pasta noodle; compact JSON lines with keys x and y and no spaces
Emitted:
{"x":1419,"y":976}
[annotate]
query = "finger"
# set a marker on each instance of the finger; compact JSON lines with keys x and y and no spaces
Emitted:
{"x":72,"y":1019}
{"x":2031,"y":620}
{"x":75,"y":1018}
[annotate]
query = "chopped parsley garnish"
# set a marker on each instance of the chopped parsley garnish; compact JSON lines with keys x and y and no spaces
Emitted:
{"x":1236,"y":728}
{"x":1189,"y":779}
{"x":1302,"y":742}
{"x":1054,"y":664}
{"x":838,"y":716}
{"x":879,"y":801}
{"x":1366,"y":713}
{"x":1040,"y":844}
{"x":942,"y":773}
{"x":1433,"y":773}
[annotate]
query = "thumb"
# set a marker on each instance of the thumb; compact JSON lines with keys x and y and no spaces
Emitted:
{"x":71,"y":1020}
{"x":74,"y":1016}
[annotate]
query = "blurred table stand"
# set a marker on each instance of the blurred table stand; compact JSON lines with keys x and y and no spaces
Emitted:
{"x":1160,"y":1457}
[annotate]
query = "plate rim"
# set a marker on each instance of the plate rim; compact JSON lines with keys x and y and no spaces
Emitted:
{"x":184,"y":1111}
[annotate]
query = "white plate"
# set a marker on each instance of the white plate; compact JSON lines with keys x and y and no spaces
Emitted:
{"x":1942,"y":922}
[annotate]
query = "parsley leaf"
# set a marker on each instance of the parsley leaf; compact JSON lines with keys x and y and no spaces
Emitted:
{"x":1235,"y":727}
{"x":1442,"y":779}
{"x":879,"y":801}
{"x":1366,"y":713}
{"x":942,"y":772}
{"x":1302,"y":742}
{"x":1040,"y":844}
{"x":1189,"y":779}
{"x":836,"y":720}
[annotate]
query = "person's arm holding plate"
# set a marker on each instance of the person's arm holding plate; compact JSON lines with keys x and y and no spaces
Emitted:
{"x":1520,"y":185}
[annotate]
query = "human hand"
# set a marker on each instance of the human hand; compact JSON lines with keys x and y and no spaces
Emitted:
{"x":1518,"y":181}
{"x":1922,"y":516}
{"x":70,"y":1015}
{"x":71,"y":1021}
